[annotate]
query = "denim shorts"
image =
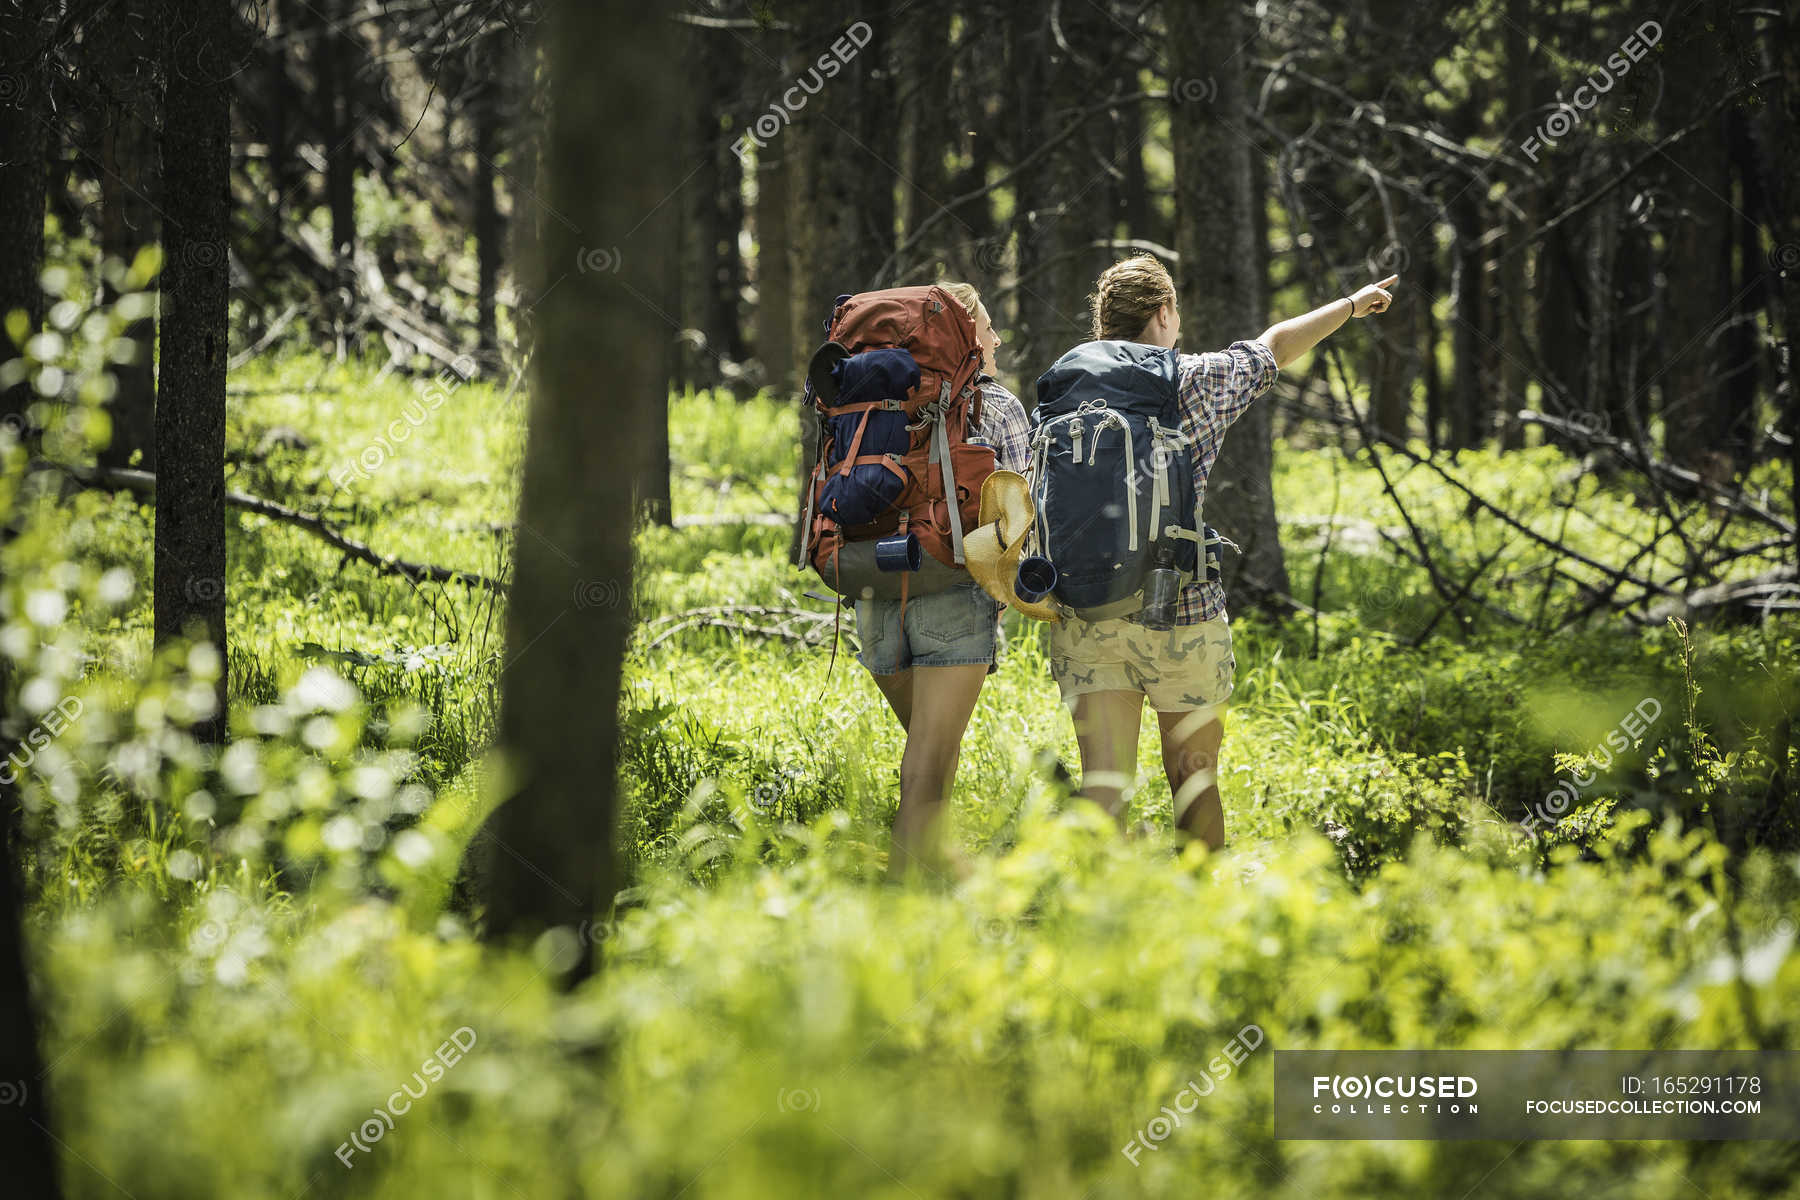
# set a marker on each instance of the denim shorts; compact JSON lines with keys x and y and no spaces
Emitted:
{"x":952,"y":628}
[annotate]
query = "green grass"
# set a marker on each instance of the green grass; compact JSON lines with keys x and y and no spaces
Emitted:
{"x":242,"y":960}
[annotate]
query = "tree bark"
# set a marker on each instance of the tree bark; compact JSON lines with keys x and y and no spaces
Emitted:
{"x":336,"y":68}
{"x":24,"y":147}
{"x":25,"y":1138}
{"x":488,"y":121}
{"x":774,"y":277}
{"x":1699,"y":246}
{"x":189,"y":592}
{"x":124,"y":60}
{"x":610,"y":164}
{"x":1220,"y":282}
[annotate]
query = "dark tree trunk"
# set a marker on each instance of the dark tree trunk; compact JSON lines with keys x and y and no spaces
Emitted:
{"x":24,"y":148}
{"x":1699,"y":245}
{"x":1029,"y":104}
{"x":190,"y":418}
{"x":1512,"y":312}
{"x":1778,"y":135}
{"x":1563,"y":313}
{"x":1633,"y":295}
{"x":25,"y":1138}
{"x":774,"y":278}
{"x":336,"y":69}
{"x":125,"y":62}
{"x":487,"y":119}
{"x":928,"y":118}
{"x":1742,"y":356}
{"x":1221,"y":276}
{"x":715,"y":201}
{"x":1430,"y":283}
{"x":612,"y":100}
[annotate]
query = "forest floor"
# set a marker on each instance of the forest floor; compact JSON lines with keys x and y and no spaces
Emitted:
{"x":771,"y":1019}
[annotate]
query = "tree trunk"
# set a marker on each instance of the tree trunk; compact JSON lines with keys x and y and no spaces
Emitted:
{"x":1778,"y":156}
{"x":613,"y":96}
{"x":124,"y":62}
{"x":25,"y":1138}
{"x":774,"y":278}
{"x":336,"y":67}
{"x":487,"y":118}
{"x":1699,"y":246}
{"x":1221,"y":277}
{"x":189,"y":594}
{"x":1512,"y":311}
{"x":928,"y":118}
{"x":24,"y":148}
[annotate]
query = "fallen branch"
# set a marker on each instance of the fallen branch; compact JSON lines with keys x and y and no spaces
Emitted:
{"x":804,"y":625}
{"x":1735,"y":501}
{"x":144,"y":484}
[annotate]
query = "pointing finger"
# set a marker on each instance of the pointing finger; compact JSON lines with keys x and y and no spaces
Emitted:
{"x":1389,"y":282}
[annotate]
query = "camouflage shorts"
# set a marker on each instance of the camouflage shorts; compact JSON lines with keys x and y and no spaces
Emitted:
{"x":1187,"y":667}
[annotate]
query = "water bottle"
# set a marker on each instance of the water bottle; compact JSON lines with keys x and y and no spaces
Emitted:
{"x":1161,"y":591}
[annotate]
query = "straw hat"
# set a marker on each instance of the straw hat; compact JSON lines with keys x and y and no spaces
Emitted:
{"x":992,"y":551}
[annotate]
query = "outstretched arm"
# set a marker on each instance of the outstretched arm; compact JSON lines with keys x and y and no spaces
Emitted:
{"x":1291,"y":338}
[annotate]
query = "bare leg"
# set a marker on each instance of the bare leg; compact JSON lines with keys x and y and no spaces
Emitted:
{"x":1190,"y":747}
{"x":1106,"y":729}
{"x":942,"y":701}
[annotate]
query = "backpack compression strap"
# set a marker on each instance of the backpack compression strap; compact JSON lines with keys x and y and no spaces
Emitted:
{"x":940,"y":454}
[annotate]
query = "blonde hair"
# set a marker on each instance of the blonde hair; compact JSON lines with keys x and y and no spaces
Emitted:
{"x":1128,"y":294}
{"x":966,"y":295}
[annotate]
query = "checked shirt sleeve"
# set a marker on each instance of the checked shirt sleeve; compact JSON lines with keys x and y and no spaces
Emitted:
{"x":1217,"y":387}
{"x":1003,"y":423}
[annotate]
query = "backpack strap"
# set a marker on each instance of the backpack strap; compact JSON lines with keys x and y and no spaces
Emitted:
{"x":940,"y":454}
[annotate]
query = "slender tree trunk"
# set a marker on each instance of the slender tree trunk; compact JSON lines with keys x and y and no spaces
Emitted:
{"x":189,"y":596}
{"x":1511,"y":312}
{"x":1221,"y":276}
{"x":125,"y":59}
{"x":1430,"y":282}
{"x":1468,"y":409}
{"x":336,"y":67}
{"x":1778,"y":155}
{"x":610,"y":164}
{"x":774,"y":278}
{"x":25,"y":1139}
{"x":24,"y":148}
{"x":1699,"y":247}
{"x":490,"y":233}
{"x":1742,"y":357}
{"x":928,"y":118}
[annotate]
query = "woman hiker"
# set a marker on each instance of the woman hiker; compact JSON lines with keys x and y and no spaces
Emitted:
{"x":931,"y":665}
{"x":1107,"y":669}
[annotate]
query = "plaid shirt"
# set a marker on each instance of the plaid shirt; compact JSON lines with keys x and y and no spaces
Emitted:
{"x":1003,"y":423}
{"x":1216,"y":388}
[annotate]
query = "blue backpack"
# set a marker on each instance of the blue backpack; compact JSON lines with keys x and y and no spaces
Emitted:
{"x":1112,"y":476}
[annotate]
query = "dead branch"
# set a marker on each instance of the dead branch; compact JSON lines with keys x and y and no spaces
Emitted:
{"x":144,"y":484}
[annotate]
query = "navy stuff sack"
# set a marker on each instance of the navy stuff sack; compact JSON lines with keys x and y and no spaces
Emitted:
{"x":1112,"y":475}
{"x":867,"y":435}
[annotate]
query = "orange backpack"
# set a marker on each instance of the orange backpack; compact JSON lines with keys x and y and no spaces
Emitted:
{"x":882,"y":438}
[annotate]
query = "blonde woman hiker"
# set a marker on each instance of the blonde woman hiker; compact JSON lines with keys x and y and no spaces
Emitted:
{"x":914,"y":413}
{"x":1124,"y":435}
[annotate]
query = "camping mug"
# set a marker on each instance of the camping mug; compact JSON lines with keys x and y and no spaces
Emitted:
{"x":1036,"y":578}
{"x":898,"y":553}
